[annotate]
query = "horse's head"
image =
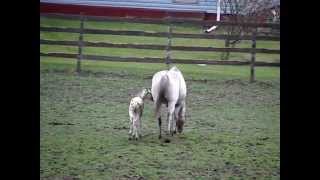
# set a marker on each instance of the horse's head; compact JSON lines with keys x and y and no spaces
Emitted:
{"x":180,"y":120}
{"x":180,"y":124}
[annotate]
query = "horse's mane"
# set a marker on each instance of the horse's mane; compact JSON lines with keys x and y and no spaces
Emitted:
{"x":174,"y":68}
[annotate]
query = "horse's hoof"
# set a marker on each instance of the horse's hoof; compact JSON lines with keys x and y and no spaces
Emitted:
{"x":159,"y":137}
{"x":129,"y":138}
{"x":174,"y":132}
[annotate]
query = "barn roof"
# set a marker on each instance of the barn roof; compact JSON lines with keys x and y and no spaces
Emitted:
{"x":176,"y":5}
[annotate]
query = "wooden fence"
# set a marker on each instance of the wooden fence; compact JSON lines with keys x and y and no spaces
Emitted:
{"x":169,"y":35}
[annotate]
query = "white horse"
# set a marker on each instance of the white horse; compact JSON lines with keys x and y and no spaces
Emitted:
{"x":169,"y":87}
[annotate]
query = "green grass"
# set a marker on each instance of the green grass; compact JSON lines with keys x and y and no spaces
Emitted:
{"x":182,"y":28}
{"x":124,"y":26}
{"x":232,"y":129}
{"x":55,"y":22}
{"x":124,"y":39}
{"x":211,"y":72}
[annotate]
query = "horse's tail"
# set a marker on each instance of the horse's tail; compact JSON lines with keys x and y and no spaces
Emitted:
{"x":164,"y":82}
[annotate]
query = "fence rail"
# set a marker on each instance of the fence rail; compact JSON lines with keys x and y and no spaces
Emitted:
{"x":155,"y":34}
{"x":159,"y":47}
{"x":169,"y":35}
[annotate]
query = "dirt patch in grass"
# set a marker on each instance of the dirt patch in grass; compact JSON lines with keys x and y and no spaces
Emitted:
{"x":59,"y":123}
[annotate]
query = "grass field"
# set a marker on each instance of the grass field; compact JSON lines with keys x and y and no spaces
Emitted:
{"x":184,"y":28}
{"x":232,"y":129}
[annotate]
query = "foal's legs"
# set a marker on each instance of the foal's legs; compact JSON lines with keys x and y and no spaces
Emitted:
{"x":136,"y":128}
{"x":140,"y":124}
{"x":131,"y":127}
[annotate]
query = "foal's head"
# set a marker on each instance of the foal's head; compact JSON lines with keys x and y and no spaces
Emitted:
{"x":146,"y":94}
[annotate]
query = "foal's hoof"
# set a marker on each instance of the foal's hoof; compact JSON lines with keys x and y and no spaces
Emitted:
{"x":159,"y":136}
{"x":174,"y":132}
{"x":130,"y":138}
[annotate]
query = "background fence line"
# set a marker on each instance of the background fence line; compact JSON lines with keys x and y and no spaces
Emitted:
{"x":168,"y":48}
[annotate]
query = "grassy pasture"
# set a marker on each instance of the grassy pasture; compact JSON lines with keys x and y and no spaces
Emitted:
{"x":232,"y":129}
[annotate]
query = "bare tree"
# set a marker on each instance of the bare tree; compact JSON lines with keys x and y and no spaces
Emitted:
{"x":246,"y":11}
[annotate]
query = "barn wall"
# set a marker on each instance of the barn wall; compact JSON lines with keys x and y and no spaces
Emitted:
{"x":201,"y":6}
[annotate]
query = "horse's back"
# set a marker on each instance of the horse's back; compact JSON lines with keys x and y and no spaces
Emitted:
{"x":177,"y":78}
{"x":157,"y":76}
{"x":169,"y":84}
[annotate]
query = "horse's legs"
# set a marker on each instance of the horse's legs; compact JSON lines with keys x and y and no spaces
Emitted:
{"x":176,"y":117}
{"x":171,"y":121}
{"x":158,"y":116}
{"x":159,"y":124}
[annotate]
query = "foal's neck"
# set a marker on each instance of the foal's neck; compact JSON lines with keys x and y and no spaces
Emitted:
{"x":142,"y":94}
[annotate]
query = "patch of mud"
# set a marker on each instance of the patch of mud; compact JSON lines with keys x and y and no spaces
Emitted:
{"x":184,"y":155}
{"x":265,"y":84}
{"x":199,"y":80}
{"x":59,"y":71}
{"x":60,"y":178}
{"x":134,"y":177}
{"x":236,"y":82}
{"x":121,"y":128}
{"x":59,"y":123}
{"x":264,"y":138}
{"x":234,"y":169}
{"x":106,"y":74}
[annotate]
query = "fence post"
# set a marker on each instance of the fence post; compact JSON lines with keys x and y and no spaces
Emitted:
{"x":168,"y":52}
{"x":225,"y":55}
{"x":253,"y":56}
{"x":80,"y":44}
